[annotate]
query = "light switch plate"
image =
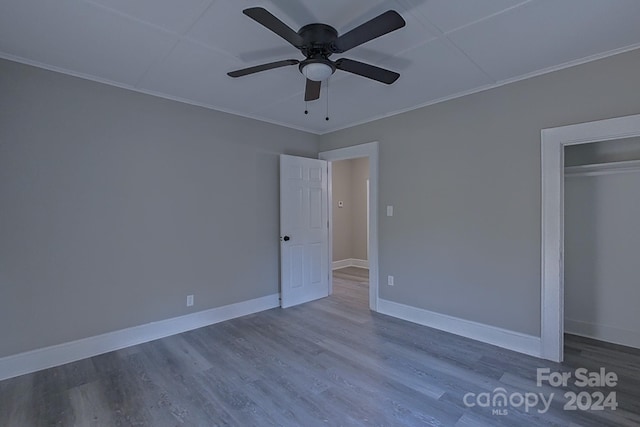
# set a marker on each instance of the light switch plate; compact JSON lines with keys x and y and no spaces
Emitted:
{"x":389,"y":210}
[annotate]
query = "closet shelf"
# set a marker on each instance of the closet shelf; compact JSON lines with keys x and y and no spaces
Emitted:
{"x":608,"y":168}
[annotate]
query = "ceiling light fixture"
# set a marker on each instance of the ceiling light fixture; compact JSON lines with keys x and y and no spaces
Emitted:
{"x":317,"y":70}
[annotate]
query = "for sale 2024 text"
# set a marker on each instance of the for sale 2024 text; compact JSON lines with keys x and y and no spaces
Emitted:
{"x":584,"y":379}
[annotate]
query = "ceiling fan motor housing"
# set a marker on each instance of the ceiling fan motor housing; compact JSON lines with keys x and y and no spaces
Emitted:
{"x":318,"y":40}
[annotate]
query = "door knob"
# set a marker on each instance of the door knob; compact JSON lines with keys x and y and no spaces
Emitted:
{"x":286,"y":238}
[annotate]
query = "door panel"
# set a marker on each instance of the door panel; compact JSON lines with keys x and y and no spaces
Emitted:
{"x":304,"y":233}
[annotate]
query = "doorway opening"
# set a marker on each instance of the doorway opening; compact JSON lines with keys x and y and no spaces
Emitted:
{"x":345,"y":229}
{"x":349,"y":212}
{"x":554,"y":142}
{"x":602,"y":240}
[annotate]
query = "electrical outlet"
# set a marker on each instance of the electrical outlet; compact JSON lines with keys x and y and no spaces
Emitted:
{"x":189,"y":300}
{"x":390,"y":280}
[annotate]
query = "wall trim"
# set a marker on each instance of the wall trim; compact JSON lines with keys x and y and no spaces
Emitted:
{"x":602,"y":333}
{"x":350,"y":262}
{"x":489,"y":86}
{"x":511,"y":340}
{"x":56,"y":69}
{"x":55,"y":355}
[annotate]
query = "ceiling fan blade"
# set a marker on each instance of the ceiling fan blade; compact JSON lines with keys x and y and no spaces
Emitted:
{"x":366,"y":70}
{"x":378,"y":26}
{"x":264,"y":17}
{"x":312,"y":90}
{"x":263,"y":67}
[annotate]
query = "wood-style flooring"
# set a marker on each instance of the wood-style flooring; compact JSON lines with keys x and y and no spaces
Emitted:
{"x":330,"y":362}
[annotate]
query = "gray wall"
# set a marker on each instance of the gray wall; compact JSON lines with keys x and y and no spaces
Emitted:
{"x":602,"y":243}
{"x":464,"y":177}
{"x":349,"y":185}
{"x":115,"y":205}
{"x":359,"y":176}
{"x":341,"y":217}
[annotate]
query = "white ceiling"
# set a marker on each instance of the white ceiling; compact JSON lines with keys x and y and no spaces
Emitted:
{"x":182,"y":49}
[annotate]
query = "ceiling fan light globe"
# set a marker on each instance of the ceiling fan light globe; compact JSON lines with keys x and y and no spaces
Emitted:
{"x":317,"y":71}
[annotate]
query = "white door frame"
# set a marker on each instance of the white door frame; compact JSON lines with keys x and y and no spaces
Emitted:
{"x":553,"y":142}
{"x":369,"y":150}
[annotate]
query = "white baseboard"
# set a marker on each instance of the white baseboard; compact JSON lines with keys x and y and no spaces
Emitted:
{"x":516,"y":341}
{"x":602,"y":333}
{"x":335,"y":265}
{"x":47,"y":357}
{"x":350,"y":262}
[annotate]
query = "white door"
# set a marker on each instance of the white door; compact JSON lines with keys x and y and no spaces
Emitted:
{"x":304,"y":230}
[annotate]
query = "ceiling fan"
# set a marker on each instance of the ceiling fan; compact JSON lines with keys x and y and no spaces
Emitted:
{"x":318,"y":42}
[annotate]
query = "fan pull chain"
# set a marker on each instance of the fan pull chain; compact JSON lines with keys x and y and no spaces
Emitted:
{"x":327,"y":115}
{"x":306,"y":107}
